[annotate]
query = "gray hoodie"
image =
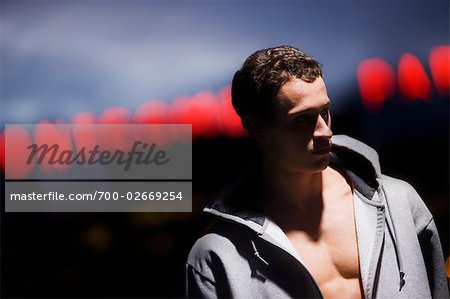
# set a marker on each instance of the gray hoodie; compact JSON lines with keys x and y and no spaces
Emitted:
{"x":246,"y":255}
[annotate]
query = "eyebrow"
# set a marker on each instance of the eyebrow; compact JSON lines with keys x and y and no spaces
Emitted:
{"x":311,"y":109}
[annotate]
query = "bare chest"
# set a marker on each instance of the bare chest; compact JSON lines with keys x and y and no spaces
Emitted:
{"x":332,"y":255}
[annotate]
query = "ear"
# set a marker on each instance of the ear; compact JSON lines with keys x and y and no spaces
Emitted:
{"x":255,"y":127}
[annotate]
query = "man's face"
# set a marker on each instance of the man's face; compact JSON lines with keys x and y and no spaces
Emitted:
{"x":298,"y":140}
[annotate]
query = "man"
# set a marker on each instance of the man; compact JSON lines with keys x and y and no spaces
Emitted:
{"x":315,"y":218}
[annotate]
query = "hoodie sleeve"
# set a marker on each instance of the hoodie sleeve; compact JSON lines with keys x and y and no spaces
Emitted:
{"x":197,"y":285}
{"x":205,"y":273}
{"x":430,"y":245}
{"x":434,"y":261}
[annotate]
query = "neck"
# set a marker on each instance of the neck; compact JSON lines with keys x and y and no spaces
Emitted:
{"x":289,"y":195}
{"x":296,"y":188}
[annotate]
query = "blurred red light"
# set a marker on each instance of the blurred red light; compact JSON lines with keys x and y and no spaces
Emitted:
{"x":17,"y":139}
{"x":49,"y":134}
{"x":204,"y":110}
{"x":155,"y":112}
{"x":152,"y":112}
{"x":83,"y":118}
{"x":440,"y":69}
{"x":2,"y":151}
{"x":114,"y":115}
{"x":413,"y":82}
{"x":376,"y":80}
{"x":114,"y":137}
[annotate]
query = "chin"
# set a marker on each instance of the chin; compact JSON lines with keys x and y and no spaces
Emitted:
{"x":307,"y":165}
{"x":321,"y":164}
{"x":313,"y":168}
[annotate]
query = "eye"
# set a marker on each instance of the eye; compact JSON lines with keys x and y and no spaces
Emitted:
{"x":303,"y":119}
{"x":325,"y":114}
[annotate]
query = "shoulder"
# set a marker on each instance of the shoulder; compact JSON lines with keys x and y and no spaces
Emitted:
{"x":400,"y":192}
{"x":397,"y":184}
{"x":223,"y":242}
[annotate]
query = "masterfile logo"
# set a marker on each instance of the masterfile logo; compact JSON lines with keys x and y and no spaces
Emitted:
{"x":144,"y":153}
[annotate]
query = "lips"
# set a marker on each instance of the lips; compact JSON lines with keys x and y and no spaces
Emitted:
{"x":322,"y":151}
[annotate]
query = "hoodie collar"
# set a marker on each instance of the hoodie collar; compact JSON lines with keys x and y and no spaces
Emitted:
{"x":240,"y":201}
{"x":359,"y":161}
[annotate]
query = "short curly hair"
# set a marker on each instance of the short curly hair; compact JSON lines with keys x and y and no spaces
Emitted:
{"x":255,"y":86}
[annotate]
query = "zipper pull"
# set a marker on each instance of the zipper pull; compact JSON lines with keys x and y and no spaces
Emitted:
{"x":402,"y":281}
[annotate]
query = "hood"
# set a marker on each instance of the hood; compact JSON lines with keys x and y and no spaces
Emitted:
{"x":359,"y":161}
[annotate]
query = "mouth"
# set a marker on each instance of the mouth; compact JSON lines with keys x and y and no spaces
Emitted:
{"x":322,"y":151}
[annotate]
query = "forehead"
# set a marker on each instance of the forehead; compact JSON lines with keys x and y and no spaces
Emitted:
{"x":297,"y":95}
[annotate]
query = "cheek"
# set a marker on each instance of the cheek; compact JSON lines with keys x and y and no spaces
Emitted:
{"x":290,"y":139}
{"x":300,"y":137}
{"x":291,"y":145}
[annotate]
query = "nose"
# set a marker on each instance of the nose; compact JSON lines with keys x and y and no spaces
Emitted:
{"x":322,"y":129}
